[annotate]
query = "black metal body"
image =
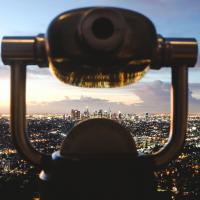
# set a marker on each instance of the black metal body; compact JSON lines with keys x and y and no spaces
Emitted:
{"x":74,"y":44}
{"x":114,"y":177}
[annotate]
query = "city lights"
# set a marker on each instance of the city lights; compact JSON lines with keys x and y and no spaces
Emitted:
{"x":150,"y":131}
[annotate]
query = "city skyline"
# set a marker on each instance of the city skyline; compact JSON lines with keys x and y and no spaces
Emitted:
{"x":151,"y":94}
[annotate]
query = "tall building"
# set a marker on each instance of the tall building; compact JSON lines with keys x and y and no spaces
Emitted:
{"x":119,"y":115}
{"x":75,"y":114}
{"x":86,"y":113}
{"x":146,"y":116}
{"x":100,"y":113}
{"x":110,"y":114}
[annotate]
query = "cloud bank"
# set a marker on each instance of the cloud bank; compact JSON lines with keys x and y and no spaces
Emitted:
{"x":154,"y":96}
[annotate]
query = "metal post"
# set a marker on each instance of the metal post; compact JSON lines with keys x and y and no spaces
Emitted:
{"x":18,"y":114}
{"x":179,"y":111}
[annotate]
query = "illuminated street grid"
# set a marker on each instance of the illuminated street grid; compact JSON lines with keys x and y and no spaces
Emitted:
{"x":181,"y":179}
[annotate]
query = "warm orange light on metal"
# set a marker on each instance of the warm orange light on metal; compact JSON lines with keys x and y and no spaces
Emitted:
{"x":100,"y":78}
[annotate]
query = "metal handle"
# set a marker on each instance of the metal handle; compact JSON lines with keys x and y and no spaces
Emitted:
{"x":178,"y":125}
{"x":179,"y":104}
{"x":178,"y":98}
{"x":18,"y":115}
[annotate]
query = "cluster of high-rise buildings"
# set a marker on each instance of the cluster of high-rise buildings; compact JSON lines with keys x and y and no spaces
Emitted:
{"x":76,"y":114}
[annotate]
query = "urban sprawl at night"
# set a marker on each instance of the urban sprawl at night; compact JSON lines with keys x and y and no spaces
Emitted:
{"x":180,"y":180}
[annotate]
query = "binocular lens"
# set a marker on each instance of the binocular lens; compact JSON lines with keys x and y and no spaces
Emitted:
{"x":100,"y":77}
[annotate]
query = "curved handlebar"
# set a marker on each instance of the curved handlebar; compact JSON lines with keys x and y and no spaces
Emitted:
{"x":18,"y":115}
{"x":179,"y":104}
{"x":171,"y":52}
{"x":178,"y":125}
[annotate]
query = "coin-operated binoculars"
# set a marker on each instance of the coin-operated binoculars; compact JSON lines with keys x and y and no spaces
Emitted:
{"x":99,"y":47}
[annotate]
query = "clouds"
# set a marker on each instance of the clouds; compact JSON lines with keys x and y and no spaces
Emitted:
{"x":150,"y":95}
{"x":154,"y":97}
{"x":65,"y":105}
{"x":4,"y":72}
